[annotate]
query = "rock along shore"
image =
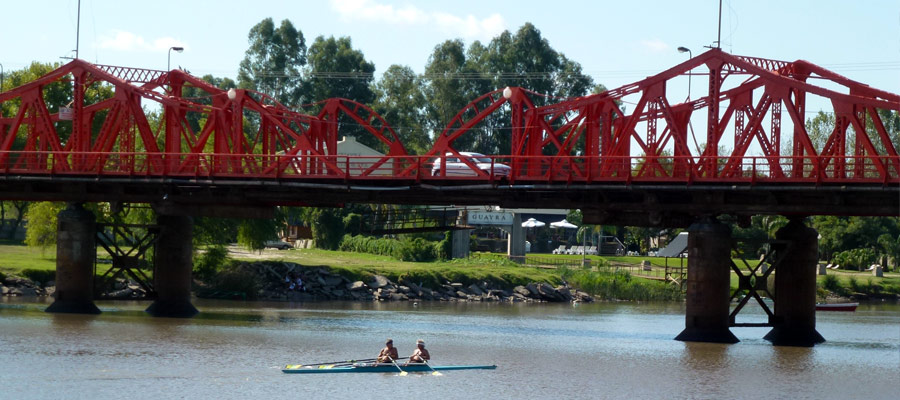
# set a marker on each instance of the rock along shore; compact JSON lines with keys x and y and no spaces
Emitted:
{"x":321,"y":284}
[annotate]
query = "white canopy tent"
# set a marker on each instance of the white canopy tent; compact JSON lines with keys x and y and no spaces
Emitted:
{"x":532,"y":223}
{"x":563,"y":224}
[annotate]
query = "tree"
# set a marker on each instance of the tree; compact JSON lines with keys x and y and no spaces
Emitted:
{"x":17,"y":212}
{"x":819,"y":129}
{"x":196,"y":119}
{"x":337,"y":70}
{"x":446,"y":90}
{"x":215,"y":231}
{"x":41,"y":226}
{"x":273,"y":61}
{"x":890,"y":246}
{"x":524,"y":59}
{"x":840,"y":234}
{"x":56,"y":94}
{"x":327,"y":226}
{"x":400,"y":100}
{"x":253,"y":233}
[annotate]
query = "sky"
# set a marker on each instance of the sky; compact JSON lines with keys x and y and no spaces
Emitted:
{"x":616,"y":42}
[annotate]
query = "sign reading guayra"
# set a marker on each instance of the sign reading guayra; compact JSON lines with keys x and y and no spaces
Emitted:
{"x":490,"y":218}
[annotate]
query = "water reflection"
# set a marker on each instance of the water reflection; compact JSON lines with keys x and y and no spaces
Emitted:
{"x":793,"y":360}
{"x":604,"y":350}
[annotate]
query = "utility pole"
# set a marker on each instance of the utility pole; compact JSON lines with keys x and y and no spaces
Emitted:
{"x":719,"y":37}
{"x":78,"y":30}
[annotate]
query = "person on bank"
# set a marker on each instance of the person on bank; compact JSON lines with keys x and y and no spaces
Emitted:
{"x":420,"y":355}
{"x":388,"y":353}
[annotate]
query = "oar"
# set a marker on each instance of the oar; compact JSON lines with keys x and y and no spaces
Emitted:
{"x":402,"y":372}
{"x":433,"y":371}
{"x":295,"y":366}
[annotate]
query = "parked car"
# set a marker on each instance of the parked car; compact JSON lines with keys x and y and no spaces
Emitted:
{"x":456,"y":167}
{"x":278,"y":244}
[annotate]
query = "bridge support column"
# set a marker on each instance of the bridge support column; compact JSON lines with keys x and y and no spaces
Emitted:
{"x":172,"y":279}
{"x":459,"y":242}
{"x":75,"y":252}
{"x":795,"y":288}
{"x":708,"y":282}
{"x":515,"y":246}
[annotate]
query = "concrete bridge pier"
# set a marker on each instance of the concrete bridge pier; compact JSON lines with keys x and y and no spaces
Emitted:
{"x":708,"y":282}
{"x":515,"y":246}
{"x":460,"y":238}
{"x":795,"y":288}
{"x":75,"y":252}
{"x":172,"y":279}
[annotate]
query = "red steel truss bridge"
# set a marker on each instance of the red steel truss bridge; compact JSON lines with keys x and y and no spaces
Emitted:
{"x":659,"y":163}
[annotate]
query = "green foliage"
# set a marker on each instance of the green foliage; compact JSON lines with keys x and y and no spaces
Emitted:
{"x":400,"y":99}
{"x":832,"y":284}
{"x":253,"y":233}
{"x":55,"y":95}
{"x":848,"y":284}
{"x":39,"y":275}
{"x":447,"y":94}
{"x":443,"y":249}
{"x":327,"y":227}
{"x":208,"y":263}
{"x":417,"y":249}
{"x":857,"y":259}
{"x":854,"y":284}
{"x":215,"y":231}
{"x":41,"y":228}
{"x":370,"y":244}
{"x":273,"y":61}
{"x":408,"y":249}
{"x":847,"y":233}
{"x":619,"y":285}
{"x":234,"y":279}
{"x":352,"y":224}
{"x":328,"y":56}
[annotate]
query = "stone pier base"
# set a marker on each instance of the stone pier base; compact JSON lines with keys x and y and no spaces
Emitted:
{"x":708,"y":282}
{"x":795,"y":288}
{"x":75,"y":253}
{"x":172,"y":279}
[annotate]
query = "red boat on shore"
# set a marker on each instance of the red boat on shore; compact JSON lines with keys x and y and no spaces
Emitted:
{"x":836,"y":306}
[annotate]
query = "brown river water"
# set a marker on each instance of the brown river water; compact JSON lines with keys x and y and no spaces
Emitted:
{"x":235,"y":350}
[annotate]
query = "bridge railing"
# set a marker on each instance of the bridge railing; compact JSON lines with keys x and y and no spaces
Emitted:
{"x":492,"y":169}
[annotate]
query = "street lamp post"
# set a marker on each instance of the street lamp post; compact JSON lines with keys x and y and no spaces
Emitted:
{"x":1,"y":77}
{"x":682,"y":49}
{"x":169,"y":60}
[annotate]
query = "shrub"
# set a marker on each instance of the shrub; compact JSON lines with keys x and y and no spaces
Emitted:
{"x":352,"y":224}
{"x":443,"y":249}
{"x":620,"y":285}
{"x":407,"y":249}
{"x":235,"y":279}
{"x":39,"y":275}
{"x":832,"y":284}
{"x":327,"y":228}
{"x":873,"y":288}
{"x":854,"y":285}
{"x":208,"y":263}
{"x":417,"y":249}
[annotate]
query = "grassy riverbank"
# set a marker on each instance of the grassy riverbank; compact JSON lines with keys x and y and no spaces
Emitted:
{"x":618,"y":278}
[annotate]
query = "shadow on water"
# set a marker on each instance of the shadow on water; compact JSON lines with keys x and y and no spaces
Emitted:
{"x":704,"y":362}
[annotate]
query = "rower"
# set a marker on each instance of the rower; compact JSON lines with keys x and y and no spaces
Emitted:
{"x":420,"y":355}
{"x":388,"y":353}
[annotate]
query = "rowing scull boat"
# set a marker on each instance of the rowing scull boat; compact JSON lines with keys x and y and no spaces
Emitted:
{"x":373,"y":367}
